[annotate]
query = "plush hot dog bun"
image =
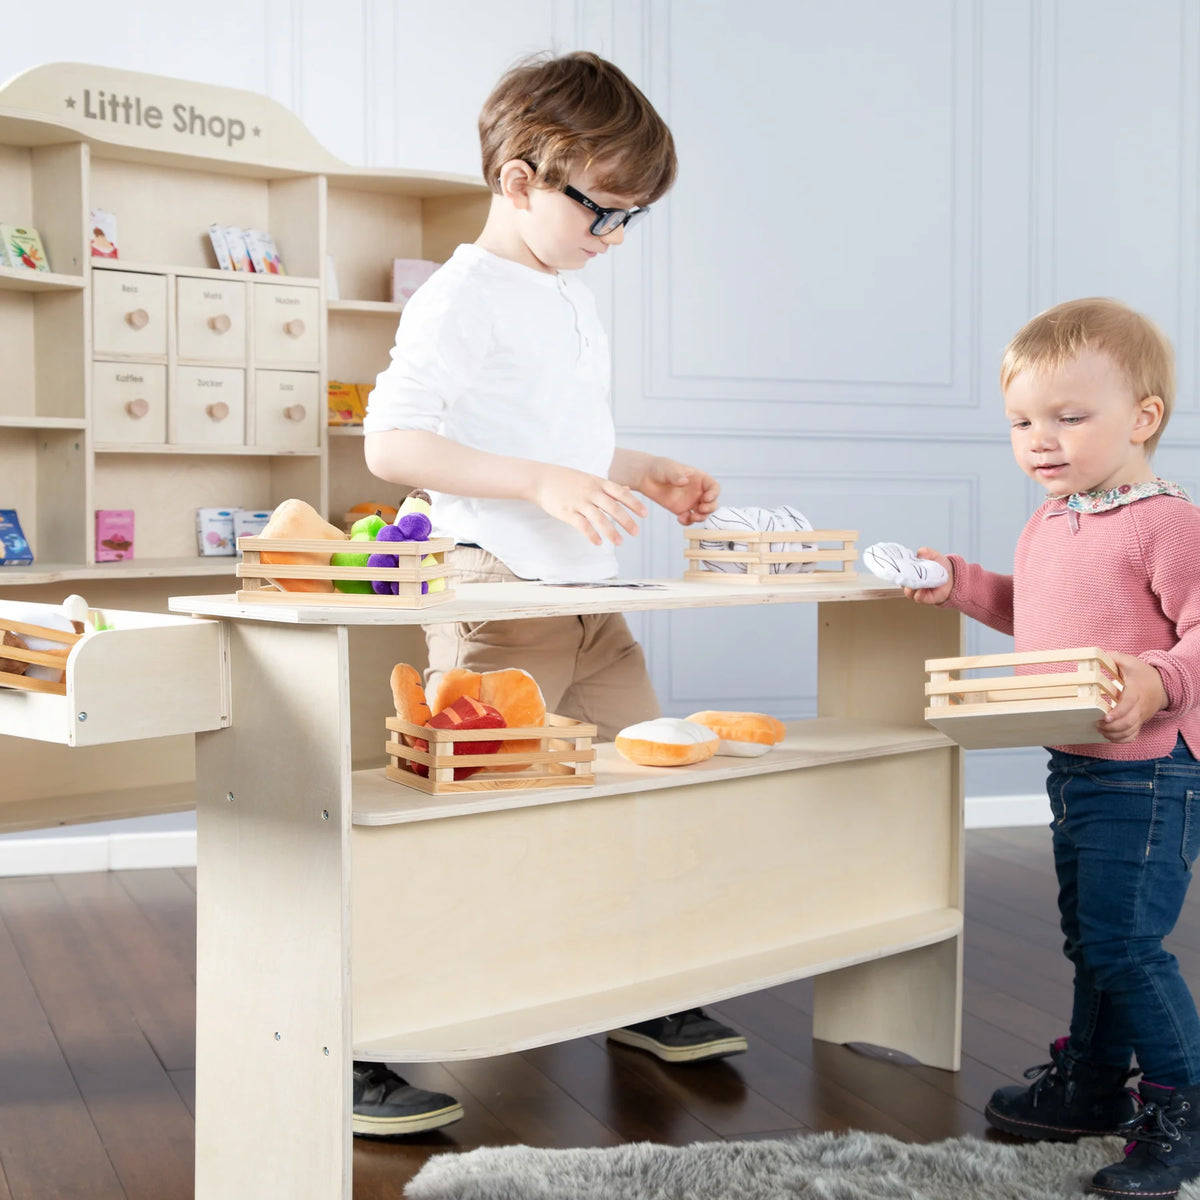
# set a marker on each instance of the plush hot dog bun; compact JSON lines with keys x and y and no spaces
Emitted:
{"x":666,"y":742}
{"x":742,"y":734}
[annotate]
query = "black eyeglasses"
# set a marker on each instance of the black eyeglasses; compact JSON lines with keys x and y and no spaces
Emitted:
{"x":607,"y":219}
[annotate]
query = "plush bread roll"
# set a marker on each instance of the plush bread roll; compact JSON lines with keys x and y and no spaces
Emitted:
{"x":298,"y":519}
{"x":666,"y":742}
{"x":742,"y":734}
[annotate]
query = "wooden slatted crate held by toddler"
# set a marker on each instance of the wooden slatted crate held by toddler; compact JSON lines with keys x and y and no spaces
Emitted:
{"x":409,"y":573}
{"x":563,"y":757}
{"x":1057,"y":708}
{"x":54,"y":657}
{"x":808,"y":556}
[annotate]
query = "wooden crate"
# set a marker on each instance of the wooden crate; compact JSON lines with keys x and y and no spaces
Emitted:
{"x":829,"y":562}
{"x":563,"y":759}
{"x":1058,"y":708}
{"x":409,"y":573}
{"x":41,"y":658}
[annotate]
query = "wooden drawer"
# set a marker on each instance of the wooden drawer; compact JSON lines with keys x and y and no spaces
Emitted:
{"x":286,"y":409}
{"x":129,"y":313}
{"x":286,"y":324}
{"x":129,"y":402}
{"x":149,"y":676}
{"x":210,"y":317}
{"x":208,"y":407}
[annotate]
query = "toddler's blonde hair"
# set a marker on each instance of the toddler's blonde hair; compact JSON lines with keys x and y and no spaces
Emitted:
{"x":1138,"y":348}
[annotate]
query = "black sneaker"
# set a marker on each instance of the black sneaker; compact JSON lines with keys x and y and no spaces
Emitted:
{"x":1164,"y":1152}
{"x":682,"y":1037}
{"x":386,"y":1105}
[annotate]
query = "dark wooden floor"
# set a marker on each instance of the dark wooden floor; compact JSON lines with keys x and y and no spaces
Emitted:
{"x":97,"y":1026}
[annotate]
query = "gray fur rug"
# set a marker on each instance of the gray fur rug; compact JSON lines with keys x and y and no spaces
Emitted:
{"x":824,"y":1166}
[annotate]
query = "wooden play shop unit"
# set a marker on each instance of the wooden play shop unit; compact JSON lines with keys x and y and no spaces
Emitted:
{"x":349,"y":906}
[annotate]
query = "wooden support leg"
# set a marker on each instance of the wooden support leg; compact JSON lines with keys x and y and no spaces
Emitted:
{"x":911,"y":1002}
{"x":273,"y":1050}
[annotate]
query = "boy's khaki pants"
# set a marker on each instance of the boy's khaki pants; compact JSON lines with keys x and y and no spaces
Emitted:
{"x":588,"y":667}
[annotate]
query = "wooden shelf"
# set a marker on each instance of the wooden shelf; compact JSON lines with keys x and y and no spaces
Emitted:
{"x":383,"y":308}
{"x":580,"y":1016}
{"x":218,"y":451}
{"x":515,"y":601}
{"x":42,"y":423}
{"x":814,"y":743}
{"x":118,"y":264}
{"x":107,"y":805}
{"x":20,"y":279}
{"x":138,"y":568}
{"x":345,"y":430}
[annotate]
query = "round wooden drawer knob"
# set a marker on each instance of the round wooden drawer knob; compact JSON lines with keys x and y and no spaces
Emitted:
{"x":218,"y":411}
{"x":220,"y":323}
{"x":295,"y":412}
{"x":139,"y":318}
{"x":137,"y":408}
{"x":294,"y":328}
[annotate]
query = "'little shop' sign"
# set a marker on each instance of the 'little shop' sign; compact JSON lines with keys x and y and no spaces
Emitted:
{"x":124,"y":109}
{"x":158,"y":113}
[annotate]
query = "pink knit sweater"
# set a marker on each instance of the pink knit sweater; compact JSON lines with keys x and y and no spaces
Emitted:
{"x":1126,"y":579}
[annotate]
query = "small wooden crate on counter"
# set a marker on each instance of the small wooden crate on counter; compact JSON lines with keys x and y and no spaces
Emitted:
{"x":563,"y":759}
{"x":409,"y":572}
{"x":55,"y":659}
{"x":1058,"y":708}
{"x":819,"y":556}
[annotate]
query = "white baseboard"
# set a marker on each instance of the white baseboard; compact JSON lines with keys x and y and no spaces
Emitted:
{"x":1004,"y":812}
{"x":104,"y":852}
{"x":177,"y":847}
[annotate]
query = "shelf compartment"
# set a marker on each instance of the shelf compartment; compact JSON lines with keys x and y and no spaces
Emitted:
{"x":1057,"y":708}
{"x":148,"y":676}
{"x":19,"y":279}
{"x":380,"y":308}
{"x":585,"y":1015}
{"x":625,"y":905}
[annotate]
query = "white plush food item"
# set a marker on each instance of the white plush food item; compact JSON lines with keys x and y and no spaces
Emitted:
{"x":666,"y":742}
{"x":753,"y":519}
{"x":899,"y":565}
{"x":48,"y":618}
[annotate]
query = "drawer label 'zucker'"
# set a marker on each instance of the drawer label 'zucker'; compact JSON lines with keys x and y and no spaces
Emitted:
{"x":210,"y":382}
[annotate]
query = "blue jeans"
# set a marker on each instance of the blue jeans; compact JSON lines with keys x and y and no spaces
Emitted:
{"x":1125,"y":836}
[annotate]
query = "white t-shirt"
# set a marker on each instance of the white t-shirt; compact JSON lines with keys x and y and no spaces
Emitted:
{"x":514,"y":361}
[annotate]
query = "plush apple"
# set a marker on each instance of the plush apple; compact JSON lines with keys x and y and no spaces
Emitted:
{"x":464,"y":713}
{"x":363,"y":530}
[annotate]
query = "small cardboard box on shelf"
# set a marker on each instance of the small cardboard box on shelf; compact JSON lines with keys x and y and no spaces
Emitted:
{"x":114,"y":534}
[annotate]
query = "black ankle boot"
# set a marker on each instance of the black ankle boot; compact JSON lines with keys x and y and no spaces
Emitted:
{"x":1165,"y":1148}
{"x":1066,"y":1100}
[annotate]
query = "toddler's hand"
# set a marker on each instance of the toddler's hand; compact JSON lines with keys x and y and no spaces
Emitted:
{"x":592,"y":505}
{"x":933,"y":595}
{"x":1142,"y":697}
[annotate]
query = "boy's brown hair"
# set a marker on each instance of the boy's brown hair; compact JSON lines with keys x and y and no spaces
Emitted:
{"x":573,"y":113}
{"x":1138,"y":348}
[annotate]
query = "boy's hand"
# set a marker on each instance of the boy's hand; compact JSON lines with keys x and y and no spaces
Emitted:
{"x":592,"y":505}
{"x":1142,"y":697}
{"x":688,"y":492}
{"x":934,"y":595}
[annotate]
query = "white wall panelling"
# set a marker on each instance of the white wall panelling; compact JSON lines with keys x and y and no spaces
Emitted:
{"x":872,"y":198}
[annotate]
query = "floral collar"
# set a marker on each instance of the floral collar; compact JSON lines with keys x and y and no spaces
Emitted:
{"x":1127,"y":493}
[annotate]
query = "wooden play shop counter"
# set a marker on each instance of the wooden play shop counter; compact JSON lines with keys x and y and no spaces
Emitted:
{"x":342,"y":915}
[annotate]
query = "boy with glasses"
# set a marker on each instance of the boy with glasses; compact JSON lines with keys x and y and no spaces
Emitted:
{"x":497,"y":402}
